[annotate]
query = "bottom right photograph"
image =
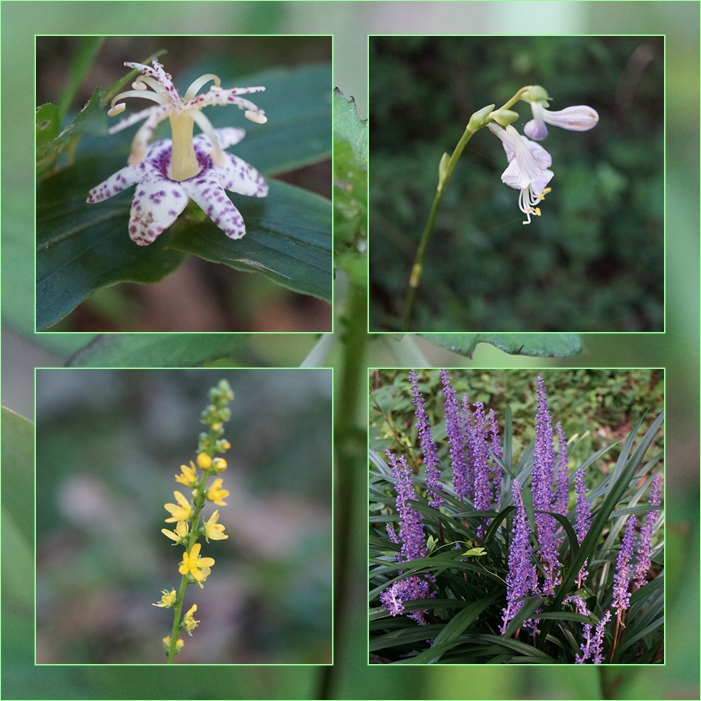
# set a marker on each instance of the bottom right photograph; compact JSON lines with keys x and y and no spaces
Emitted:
{"x":516,"y":516}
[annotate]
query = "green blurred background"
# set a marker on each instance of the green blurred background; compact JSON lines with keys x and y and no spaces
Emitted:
{"x":678,"y":349}
{"x":594,"y":261}
{"x":108,"y":444}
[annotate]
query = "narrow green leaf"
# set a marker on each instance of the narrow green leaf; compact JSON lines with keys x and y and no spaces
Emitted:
{"x":80,"y":65}
{"x":536,"y":344}
{"x":157,"y":350}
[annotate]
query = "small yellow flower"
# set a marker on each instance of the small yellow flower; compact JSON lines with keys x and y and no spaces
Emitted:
{"x":178,"y":645}
{"x":180,"y":534}
{"x":204,"y":461}
{"x":179,"y":513}
{"x":188,"y":476}
{"x":216,"y":426}
{"x":167,"y":600}
{"x":215,"y":493}
{"x":223,"y":445}
{"x":214,"y":530}
{"x":219,"y":465}
{"x":194,"y":565}
{"x":189,"y":622}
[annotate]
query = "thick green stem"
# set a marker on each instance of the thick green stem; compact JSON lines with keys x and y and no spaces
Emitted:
{"x":349,"y":443}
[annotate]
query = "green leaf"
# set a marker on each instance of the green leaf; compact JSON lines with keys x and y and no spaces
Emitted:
{"x":48,"y":124}
{"x":538,"y":344}
{"x":79,"y":68}
{"x":90,"y":121}
{"x":350,"y":188}
{"x":157,"y":350}
{"x":288,"y":239}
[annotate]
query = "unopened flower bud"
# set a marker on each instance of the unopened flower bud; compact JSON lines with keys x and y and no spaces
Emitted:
{"x":479,"y":118}
{"x":504,"y":117}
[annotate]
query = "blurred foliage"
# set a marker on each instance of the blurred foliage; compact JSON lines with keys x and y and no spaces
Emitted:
{"x":108,"y":445}
{"x":593,"y":261}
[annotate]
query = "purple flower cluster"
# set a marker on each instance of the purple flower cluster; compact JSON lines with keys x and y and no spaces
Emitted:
{"x":593,"y":645}
{"x":522,"y":579}
{"x":413,"y":540}
{"x":642,"y":565}
{"x":563,"y":482}
{"x":497,"y":473}
{"x":479,"y":454}
{"x":454,"y":427}
{"x":621,"y":579}
{"x":597,"y":644}
{"x":583,"y":518}
{"x":433,"y":471}
{"x":542,"y":489}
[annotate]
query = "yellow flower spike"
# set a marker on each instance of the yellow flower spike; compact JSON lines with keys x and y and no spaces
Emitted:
{"x":195,"y":566}
{"x":214,"y":530}
{"x":189,"y":623}
{"x":167,"y":600}
{"x":188,"y":476}
{"x":219,"y":465}
{"x":183,"y":512}
{"x":178,"y":645}
{"x":204,"y":461}
{"x":215,"y":493}
{"x":180,"y":534}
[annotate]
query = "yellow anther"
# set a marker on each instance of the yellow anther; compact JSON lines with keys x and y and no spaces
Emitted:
{"x":257,"y":117}
{"x":116,"y":109}
{"x":537,"y":211}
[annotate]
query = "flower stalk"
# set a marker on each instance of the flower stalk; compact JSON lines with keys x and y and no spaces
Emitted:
{"x":193,"y":568}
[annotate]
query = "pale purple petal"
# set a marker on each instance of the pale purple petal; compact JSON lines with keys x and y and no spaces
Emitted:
{"x":156,"y":205}
{"x":536,"y":128}
{"x":574,"y":118}
{"x":121,"y":180}
{"x":241,"y":177}
{"x":206,"y":190}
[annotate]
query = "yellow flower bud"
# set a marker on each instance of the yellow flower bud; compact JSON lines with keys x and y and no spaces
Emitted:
{"x":204,"y":461}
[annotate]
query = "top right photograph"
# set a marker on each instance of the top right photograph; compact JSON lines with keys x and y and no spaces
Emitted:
{"x":517,"y":184}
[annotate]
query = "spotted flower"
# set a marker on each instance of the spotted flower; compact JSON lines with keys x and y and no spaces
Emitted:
{"x":171,"y":171}
{"x":182,"y":511}
{"x":528,"y":169}
{"x":198,"y":567}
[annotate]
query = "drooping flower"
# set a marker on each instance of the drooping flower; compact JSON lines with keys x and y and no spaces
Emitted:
{"x":168,"y":599}
{"x":198,"y":567}
{"x":433,"y":471}
{"x":622,"y":576}
{"x":216,"y":494}
{"x":643,"y":561}
{"x":182,"y":511}
{"x":182,"y":530}
{"x":188,"y":477}
{"x":522,"y":579}
{"x":189,"y":622}
{"x":528,"y":169}
{"x":455,"y":436}
{"x":171,"y":171}
{"x":214,"y":530}
{"x":575,"y":118}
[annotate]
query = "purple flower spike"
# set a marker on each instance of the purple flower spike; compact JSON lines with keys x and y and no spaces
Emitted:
{"x":583,"y":518}
{"x":642,"y":566}
{"x":597,"y":643}
{"x":433,"y":472}
{"x":621,"y":579}
{"x":479,"y":454}
{"x":522,"y":579}
{"x":466,"y":423}
{"x":411,"y":530}
{"x":563,"y":485}
{"x":454,"y":430}
{"x":582,"y":609}
{"x":496,"y":449}
{"x":542,"y":490}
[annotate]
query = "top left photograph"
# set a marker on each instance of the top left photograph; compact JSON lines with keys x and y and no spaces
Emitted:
{"x":160,"y":207}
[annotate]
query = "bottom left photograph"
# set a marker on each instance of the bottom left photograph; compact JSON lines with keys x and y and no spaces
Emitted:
{"x":184,"y":516}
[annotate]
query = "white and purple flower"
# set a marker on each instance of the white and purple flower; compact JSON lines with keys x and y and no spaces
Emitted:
{"x":528,"y":169}
{"x":172,"y":171}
